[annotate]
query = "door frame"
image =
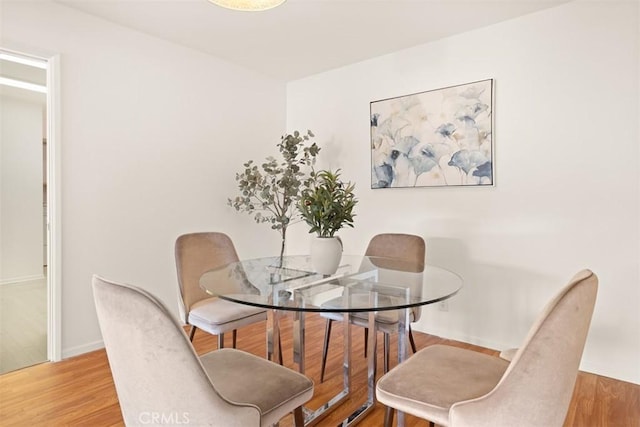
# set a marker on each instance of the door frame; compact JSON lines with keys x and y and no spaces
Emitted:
{"x":54,"y":217}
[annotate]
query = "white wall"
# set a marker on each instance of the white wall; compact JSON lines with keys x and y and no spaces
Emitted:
{"x":21,"y":225}
{"x":152,"y":135}
{"x":566,"y":157}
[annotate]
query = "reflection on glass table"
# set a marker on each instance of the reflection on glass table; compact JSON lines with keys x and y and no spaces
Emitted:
{"x":361,"y":284}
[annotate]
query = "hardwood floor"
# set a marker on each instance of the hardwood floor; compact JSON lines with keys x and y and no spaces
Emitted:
{"x":80,"y":392}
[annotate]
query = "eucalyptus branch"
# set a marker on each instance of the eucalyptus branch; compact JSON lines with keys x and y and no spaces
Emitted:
{"x":271,"y":191}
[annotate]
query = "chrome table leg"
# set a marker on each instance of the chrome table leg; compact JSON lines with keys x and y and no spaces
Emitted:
{"x":403,"y":333}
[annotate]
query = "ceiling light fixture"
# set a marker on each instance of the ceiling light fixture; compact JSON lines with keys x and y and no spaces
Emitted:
{"x":24,"y":60}
{"x":248,"y":5}
{"x":4,"y":81}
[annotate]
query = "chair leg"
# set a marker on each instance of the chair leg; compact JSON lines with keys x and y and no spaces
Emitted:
{"x":280,"y":352}
{"x":413,"y":343}
{"x":387,"y":345}
{"x":220,"y":341}
{"x":192,"y":332}
{"x":366,"y":341}
{"x":235,"y":338}
{"x":325,"y":347}
{"x":298,"y":417}
{"x":388,"y":416}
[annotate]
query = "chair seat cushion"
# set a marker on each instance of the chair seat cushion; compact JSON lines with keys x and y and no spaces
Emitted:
{"x":388,"y":317}
{"x":433,"y":379}
{"x":508,"y":354}
{"x":215,"y":311}
{"x":243,"y":378}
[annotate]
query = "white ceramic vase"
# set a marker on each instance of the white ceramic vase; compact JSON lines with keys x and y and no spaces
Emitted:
{"x":326,"y":253}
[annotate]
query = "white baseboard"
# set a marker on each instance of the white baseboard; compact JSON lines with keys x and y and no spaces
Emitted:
{"x":468,"y":339}
{"x":81,"y":349}
{"x":22,"y":279}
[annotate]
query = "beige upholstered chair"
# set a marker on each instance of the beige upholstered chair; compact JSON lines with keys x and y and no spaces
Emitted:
{"x":455,"y":387}
{"x":160,"y":379}
{"x":197,"y":253}
{"x":389,"y":245}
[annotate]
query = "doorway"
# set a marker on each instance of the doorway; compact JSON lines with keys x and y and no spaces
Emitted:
{"x":25,"y":284}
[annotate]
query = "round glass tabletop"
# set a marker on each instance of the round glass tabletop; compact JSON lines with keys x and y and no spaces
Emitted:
{"x":360,"y":284}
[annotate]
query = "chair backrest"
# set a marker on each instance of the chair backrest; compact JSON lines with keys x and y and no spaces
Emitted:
{"x":197,"y":253}
{"x":409,"y":248}
{"x":537,"y":387}
{"x":158,"y":376}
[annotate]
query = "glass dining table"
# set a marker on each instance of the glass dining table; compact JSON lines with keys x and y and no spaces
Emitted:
{"x":361,"y":284}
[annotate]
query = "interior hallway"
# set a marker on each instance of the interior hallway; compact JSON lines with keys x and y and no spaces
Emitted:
{"x":23,"y":324}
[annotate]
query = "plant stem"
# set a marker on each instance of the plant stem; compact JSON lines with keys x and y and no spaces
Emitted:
{"x":284,"y":236}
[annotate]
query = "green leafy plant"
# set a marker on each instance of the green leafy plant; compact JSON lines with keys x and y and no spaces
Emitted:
{"x":326,"y":203}
{"x":270,"y":191}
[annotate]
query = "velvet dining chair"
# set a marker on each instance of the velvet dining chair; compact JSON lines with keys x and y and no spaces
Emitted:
{"x":195,"y":254}
{"x":160,"y":380}
{"x":456,"y":387}
{"x":405,"y":247}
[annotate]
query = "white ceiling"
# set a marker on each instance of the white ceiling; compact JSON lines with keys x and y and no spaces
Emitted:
{"x":305,"y":37}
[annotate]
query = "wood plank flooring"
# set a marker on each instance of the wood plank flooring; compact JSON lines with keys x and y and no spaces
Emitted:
{"x":80,"y":392}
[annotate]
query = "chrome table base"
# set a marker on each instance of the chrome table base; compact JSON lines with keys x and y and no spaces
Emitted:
{"x":314,"y":416}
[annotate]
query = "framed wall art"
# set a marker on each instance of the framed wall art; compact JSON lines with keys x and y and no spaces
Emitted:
{"x":441,"y":137}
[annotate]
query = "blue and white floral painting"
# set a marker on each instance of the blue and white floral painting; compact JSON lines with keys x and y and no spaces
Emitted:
{"x":441,"y":137}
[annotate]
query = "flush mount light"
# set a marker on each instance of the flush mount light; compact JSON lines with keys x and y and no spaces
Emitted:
{"x":248,"y":5}
{"x":4,"y":81}
{"x":24,"y":60}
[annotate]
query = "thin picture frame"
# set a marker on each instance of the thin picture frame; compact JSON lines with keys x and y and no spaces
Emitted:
{"x":436,"y":138}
